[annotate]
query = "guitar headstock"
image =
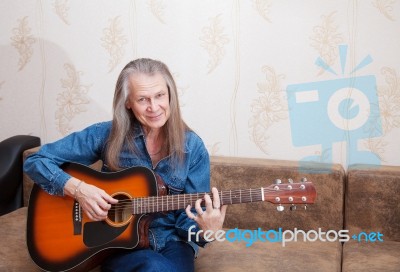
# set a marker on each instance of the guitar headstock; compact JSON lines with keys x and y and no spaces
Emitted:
{"x":292,"y":193}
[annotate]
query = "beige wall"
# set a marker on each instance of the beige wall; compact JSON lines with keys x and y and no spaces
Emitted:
{"x":232,"y":60}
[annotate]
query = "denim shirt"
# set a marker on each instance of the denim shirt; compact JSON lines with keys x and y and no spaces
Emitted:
{"x":88,"y":146}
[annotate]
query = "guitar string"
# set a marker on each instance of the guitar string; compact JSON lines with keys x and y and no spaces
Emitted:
{"x":152,"y":203}
{"x":227,"y":194}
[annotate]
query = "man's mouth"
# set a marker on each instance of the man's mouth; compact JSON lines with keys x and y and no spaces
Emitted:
{"x":155,"y":117}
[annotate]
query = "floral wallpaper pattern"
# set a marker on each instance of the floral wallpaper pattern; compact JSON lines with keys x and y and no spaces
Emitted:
{"x":61,"y":8}
{"x":157,"y":7}
{"x":232,"y":61}
{"x":268,"y":108}
{"x":213,"y":40}
{"x":389,"y":99}
{"x":114,"y":41}
{"x":263,"y":8}
{"x":386,"y":7}
{"x":23,"y":40}
{"x":71,"y":102}
{"x":326,"y":38}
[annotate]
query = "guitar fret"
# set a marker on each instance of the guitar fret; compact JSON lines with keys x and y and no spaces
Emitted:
{"x":180,"y":201}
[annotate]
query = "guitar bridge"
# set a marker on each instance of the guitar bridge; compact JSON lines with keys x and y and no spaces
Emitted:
{"x":77,"y":218}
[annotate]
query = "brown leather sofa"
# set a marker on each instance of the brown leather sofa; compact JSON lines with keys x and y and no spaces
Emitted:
{"x":363,"y":199}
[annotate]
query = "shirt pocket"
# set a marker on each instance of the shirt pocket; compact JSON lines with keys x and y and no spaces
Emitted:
{"x":176,"y":184}
{"x":174,"y":189}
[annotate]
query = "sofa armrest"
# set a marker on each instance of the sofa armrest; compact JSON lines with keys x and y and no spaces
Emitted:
{"x":27,"y":181}
{"x":11,"y":150}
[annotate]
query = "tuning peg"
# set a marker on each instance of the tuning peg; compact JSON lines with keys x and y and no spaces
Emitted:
{"x":303,"y":180}
{"x":305,"y":207}
{"x":290,"y":180}
{"x":293,"y":207}
{"x":277,"y":181}
{"x":280,"y":208}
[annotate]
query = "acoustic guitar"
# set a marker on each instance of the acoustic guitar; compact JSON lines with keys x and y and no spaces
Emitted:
{"x":61,"y":238}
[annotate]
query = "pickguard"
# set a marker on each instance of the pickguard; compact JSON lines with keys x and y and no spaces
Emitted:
{"x":99,"y":233}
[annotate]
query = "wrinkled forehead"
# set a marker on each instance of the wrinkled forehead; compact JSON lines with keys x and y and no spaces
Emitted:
{"x":147,"y":83}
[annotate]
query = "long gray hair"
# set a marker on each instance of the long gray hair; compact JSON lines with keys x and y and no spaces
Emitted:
{"x":123,"y":118}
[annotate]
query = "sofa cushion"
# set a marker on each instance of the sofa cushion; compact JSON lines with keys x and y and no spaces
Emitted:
{"x":265,"y":256}
{"x":239,"y":173}
{"x":14,"y":255}
{"x":378,"y":256}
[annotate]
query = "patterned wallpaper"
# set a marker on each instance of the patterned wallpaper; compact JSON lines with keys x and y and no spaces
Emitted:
{"x":294,"y":80}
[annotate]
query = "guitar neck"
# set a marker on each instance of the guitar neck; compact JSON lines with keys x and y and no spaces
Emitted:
{"x":142,"y":205}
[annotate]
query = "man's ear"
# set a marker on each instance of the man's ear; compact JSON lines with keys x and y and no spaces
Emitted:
{"x":127,"y":104}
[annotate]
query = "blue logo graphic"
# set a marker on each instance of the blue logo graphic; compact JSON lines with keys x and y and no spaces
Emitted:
{"x":338,"y":110}
{"x":371,"y":237}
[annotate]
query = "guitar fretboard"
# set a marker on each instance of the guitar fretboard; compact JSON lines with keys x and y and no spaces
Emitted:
{"x":153,"y":204}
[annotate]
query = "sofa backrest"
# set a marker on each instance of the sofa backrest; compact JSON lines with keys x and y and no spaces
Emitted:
{"x":326,"y":213}
{"x":373,"y":200}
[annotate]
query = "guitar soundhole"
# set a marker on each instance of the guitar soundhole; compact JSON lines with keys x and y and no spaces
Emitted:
{"x":120,"y":213}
